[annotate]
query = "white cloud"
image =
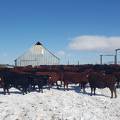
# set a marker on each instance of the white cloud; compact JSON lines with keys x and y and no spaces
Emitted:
{"x":88,"y":42}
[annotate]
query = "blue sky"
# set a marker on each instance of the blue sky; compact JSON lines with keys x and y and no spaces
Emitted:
{"x":71,"y":29}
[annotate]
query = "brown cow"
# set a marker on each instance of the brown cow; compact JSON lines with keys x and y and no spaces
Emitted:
{"x":102,"y":80}
{"x":75,"y":78}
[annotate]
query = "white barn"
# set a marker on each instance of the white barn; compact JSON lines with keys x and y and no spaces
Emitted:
{"x":37,"y":55}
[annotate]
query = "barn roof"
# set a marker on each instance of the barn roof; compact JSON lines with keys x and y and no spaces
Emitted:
{"x":38,"y":43}
{"x":37,"y":49}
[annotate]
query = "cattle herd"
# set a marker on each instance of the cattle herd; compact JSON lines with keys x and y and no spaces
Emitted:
{"x":27,"y":79}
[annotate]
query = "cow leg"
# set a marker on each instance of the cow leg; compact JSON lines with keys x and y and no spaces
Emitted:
{"x":64,"y":86}
{"x":26,"y":88}
{"x":49,"y":86}
{"x":34,"y":87}
{"x":23,"y":90}
{"x":4,"y":90}
{"x":111,"y":92}
{"x":40,"y":88}
{"x":94,"y":90}
{"x":23,"y":93}
{"x":115,"y":92}
{"x":67,"y":87}
{"x":118,"y":83}
{"x":80,"y":86}
{"x":8,"y":91}
{"x":57,"y":85}
{"x":29,"y":88}
{"x":84,"y":90}
{"x":83,"y":87}
{"x":91,"y":90}
{"x":61,"y":82}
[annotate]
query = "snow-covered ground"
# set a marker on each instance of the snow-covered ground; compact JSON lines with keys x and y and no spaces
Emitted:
{"x":60,"y":105}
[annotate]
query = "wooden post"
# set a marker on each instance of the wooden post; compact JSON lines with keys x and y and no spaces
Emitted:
{"x":101,"y":59}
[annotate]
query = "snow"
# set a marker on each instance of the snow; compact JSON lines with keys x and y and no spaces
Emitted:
{"x":57,"y":104}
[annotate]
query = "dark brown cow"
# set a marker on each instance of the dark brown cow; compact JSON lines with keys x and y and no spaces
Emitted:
{"x":102,"y":80}
{"x":54,"y":77}
{"x":12,"y":78}
{"x":3,"y":84}
{"x":39,"y":81}
{"x":1,"y":81}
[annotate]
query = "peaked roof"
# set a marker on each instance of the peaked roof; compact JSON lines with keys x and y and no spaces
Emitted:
{"x":37,"y":48}
{"x":38,"y":43}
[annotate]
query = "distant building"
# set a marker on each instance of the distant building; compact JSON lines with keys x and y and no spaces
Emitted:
{"x":6,"y":66}
{"x":37,"y":55}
